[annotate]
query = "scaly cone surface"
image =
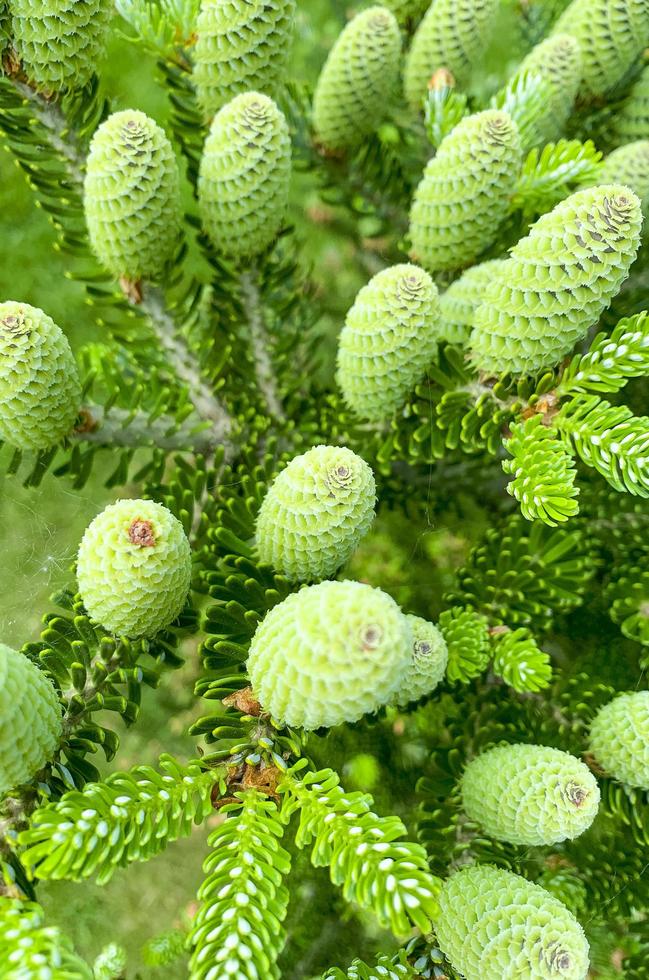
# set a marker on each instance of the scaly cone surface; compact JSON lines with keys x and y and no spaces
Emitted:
{"x":427,"y":663}
{"x":619,"y":738}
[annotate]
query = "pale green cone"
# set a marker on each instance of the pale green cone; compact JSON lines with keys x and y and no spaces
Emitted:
{"x":358,"y":81}
{"x":556,"y":61}
{"x":60,"y":42}
{"x":452,"y":35}
{"x":465,"y":192}
{"x":241,"y":46}
{"x":132,"y":197}
{"x":619,"y":738}
{"x":134,"y":568}
{"x":329,"y":654}
{"x":244,"y":175}
{"x":632,"y":120}
{"x":30,"y":719}
{"x":530,"y":794}
{"x":611,"y":34}
{"x":458,"y":303}
{"x":558,"y":281}
{"x":315,"y":513}
{"x":628,"y":165}
{"x":40,"y":391}
{"x":495,"y":925}
{"x":427,"y":662}
{"x":388,"y":340}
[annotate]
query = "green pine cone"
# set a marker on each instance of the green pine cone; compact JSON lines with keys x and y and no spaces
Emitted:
{"x":388,"y":341}
{"x":556,"y":61}
{"x":558,"y":281}
{"x":358,"y":80}
{"x":628,"y":165}
{"x":241,"y":46}
{"x":132,"y":196}
{"x":530,"y":794}
{"x":40,"y":391}
{"x":495,"y":925}
{"x":611,"y":35}
{"x":465,"y":191}
{"x":452,"y":35}
{"x":30,"y":719}
{"x":329,"y":654}
{"x":619,"y":738}
{"x":427,"y":662}
{"x":244,"y":175}
{"x":407,"y":11}
{"x":632,"y":120}
{"x":134,"y":568}
{"x":457,"y":305}
{"x":315,"y":513}
{"x":60,"y":42}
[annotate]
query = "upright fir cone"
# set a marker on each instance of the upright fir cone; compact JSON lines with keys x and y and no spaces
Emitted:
{"x":241,"y":46}
{"x":628,"y":165}
{"x":530,"y":794}
{"x":358,"y":80}
{"x":465,"y":191}
{"x":132,"y":197}
{"x":388,"y":341}
{"x":134,"y":568}
{"x":40,"y":391}
{"x":315,"y":513}
{"x":328,"y":654}
{"x":494,"y":924}
{"x":632,"y":120}
{"x":619,"y":738}
{"x":556,"y":61}
{"x":428,"y":661}
{"x":611,"y":33}
{"x":452,"y":35}
{"x":60,"y":42}
{"x":244,"y":175}
{"x":30,"y":719}
{"x":558,"y":281}
{"x":458,"y":303}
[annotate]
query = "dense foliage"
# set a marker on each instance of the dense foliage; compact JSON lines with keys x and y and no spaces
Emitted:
{"x":401,"y":535}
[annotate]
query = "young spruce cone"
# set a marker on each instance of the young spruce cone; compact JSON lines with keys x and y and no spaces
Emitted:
{"x":457,"y":305}
{"x":427,"y":662}
{"x":556,"y":61}
{"x":241,"y":46}
{"x":329,"y":654}
{"x":452,"y":35}
{"x":632,"y":121}
{"x":244,"y":175}
{"x":495,"y":925}
{"x":611,"y":35}
{"x":388,"y":341}
{"x":30,"y":719}
{"x":358,"y":80}
{"x":530,"y":794}
{"x":315,"y":513}
{"x":628,"y":165}
{"x":40,"y":392}
{"x":60,"y":42}
{"x":619,"y":738}
{"x":132,"y":196}
{"x":134,"y":568}
{"x":557,"y":281}
{"x":465,"y":191}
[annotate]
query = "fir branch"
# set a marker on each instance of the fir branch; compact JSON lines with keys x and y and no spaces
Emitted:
{"x":611,"y":361}
{"x":237,"y":931}
{"x":29,"y":948}
{"x":548,"y":175}
{"x":130,"y":816}
{"x":120,"y":427}
{"x":544,"y":472}
{"x":259,"y":342}
{"x":518,"y":660}
{"x":610,"y":438}
{"x":362,"y":850}
{"x":385,"y":968}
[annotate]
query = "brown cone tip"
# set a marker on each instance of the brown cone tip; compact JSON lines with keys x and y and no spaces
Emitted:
{"x":141,"y":534}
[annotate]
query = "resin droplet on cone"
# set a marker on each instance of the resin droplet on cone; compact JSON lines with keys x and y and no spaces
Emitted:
{"x":328,"y":654}
{"x":134,"y":568}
